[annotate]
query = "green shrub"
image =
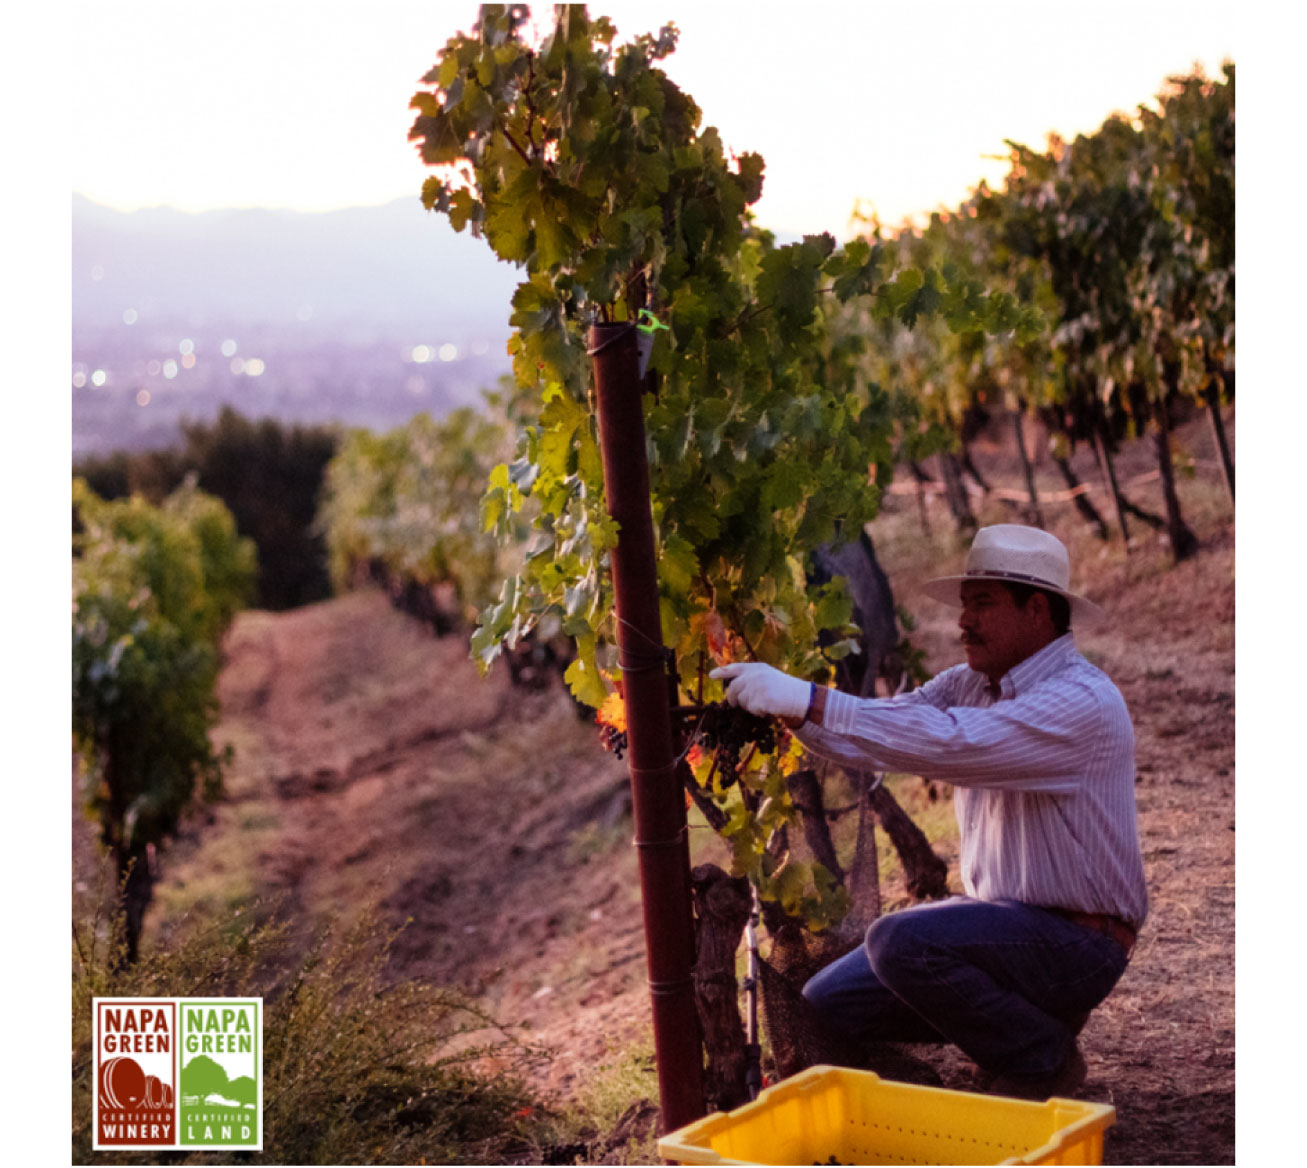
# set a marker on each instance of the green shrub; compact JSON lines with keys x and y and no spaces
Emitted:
{"x":154,"y":589}
{"x":409,"y":501}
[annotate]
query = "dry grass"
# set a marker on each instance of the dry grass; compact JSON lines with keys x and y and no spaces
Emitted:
{"x":348,"y":1076}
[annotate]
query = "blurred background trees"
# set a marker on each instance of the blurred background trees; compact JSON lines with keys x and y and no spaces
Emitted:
{"x":154,"y":590}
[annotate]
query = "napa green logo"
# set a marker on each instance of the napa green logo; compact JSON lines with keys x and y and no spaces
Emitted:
{"x":221,"y":1080}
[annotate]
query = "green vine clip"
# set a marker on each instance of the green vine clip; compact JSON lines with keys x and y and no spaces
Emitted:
{"x":650,"y":324}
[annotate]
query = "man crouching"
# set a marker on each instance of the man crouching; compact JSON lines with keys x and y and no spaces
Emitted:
{"x":1039,"y":747}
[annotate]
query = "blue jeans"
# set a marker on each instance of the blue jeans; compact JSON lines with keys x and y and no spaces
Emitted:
{"x":1005,"y":982}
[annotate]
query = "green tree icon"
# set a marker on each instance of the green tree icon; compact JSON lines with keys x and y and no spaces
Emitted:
{"x":244,"y":1091}
{"x":202,"y":1077}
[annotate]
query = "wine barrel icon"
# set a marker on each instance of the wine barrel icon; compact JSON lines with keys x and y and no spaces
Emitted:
{"x":122,"y":1084}
{"x":158,"y":1094}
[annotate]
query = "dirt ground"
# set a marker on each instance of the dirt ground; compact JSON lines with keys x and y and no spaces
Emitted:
{"x":377,"y":774}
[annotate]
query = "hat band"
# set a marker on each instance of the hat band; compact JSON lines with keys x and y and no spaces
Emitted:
{"x":1005,"y":575}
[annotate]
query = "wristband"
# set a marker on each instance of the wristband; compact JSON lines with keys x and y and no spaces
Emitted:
{"x":816,"y":704}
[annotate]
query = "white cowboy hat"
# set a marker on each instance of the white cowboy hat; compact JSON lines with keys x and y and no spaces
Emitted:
{"x":1020,"y":555}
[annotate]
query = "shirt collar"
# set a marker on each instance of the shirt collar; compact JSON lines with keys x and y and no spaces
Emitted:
{"x":1051,"y":659}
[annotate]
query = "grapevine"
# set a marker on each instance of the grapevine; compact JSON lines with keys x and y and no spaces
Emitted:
{"x":406,"y":500}
{"x":730,"y":732}
{"x":613,"y":740}
{"x":730,"y":737}
{"x":724,"y":729}
{"x":154,"y":590}
{"x":1132,"y":229}
{"x":580,"y":161}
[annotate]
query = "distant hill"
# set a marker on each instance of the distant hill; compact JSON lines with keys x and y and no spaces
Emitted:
{"x":362,"y":316}
{"x":393,"y":270}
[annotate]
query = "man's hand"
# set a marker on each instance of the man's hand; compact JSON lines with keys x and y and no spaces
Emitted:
{"x":762,"y":689}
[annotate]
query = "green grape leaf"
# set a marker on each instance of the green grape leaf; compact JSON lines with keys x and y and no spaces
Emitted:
{"x":677,"y":565}
{"x":582,"y":676}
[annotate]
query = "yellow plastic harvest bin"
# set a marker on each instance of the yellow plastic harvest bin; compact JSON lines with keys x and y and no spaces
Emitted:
{"x":832,"y":1115}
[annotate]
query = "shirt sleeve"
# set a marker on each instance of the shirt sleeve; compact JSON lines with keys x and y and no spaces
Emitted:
{"x":1040,"y":741}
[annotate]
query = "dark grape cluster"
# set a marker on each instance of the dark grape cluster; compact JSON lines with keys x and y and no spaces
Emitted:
{"x":729,"y":730}
{"x":611,"y":738}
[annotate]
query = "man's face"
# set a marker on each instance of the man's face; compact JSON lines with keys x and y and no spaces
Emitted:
{"x":997,"y":634}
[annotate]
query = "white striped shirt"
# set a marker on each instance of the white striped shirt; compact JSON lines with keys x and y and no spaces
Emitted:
{"x":1044,"y":773}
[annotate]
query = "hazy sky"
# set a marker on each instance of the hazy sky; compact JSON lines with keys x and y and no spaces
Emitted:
{"x":201,"y":104}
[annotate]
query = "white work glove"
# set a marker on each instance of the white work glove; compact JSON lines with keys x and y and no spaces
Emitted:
{"x":763,"y":689}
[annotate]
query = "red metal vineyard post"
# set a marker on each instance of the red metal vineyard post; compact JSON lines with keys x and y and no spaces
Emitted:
{"x":657,"y":796}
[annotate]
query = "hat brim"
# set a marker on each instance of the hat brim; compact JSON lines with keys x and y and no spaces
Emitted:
{"x":948,"y":589}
